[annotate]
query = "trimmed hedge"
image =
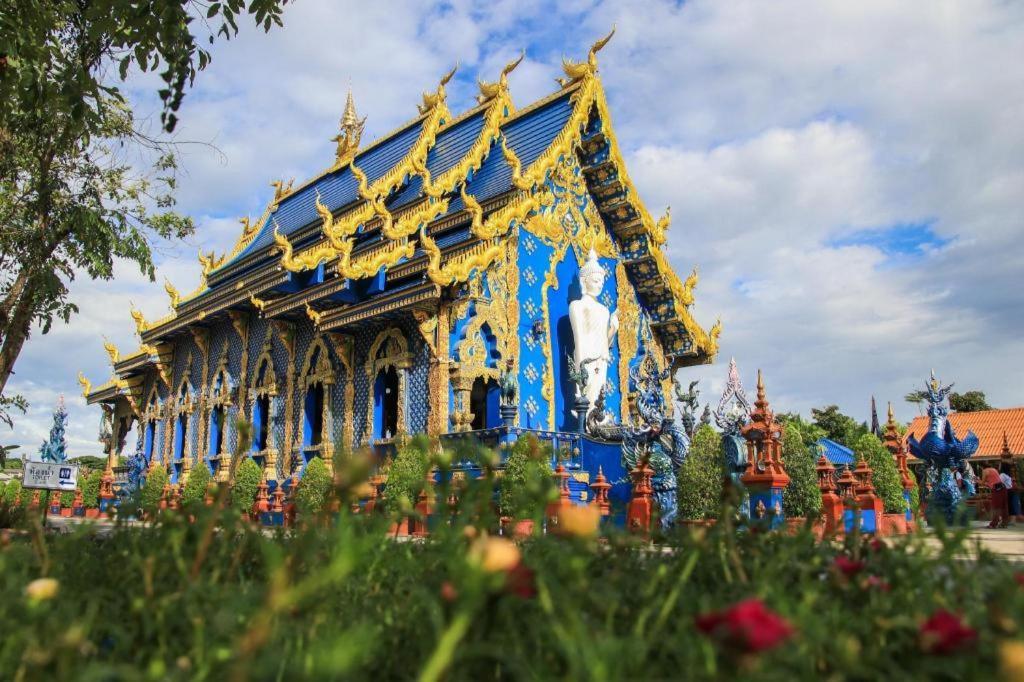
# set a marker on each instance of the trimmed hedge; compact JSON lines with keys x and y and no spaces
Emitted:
{"x":247,"y":483}
{"x":314,"y":488}
{"x":196,"y":485}
{"x":153,"y":489}
{"x":700,"y":478}
{"x":802,"y":497}
{"x":527,"y":483}
{"x":91,"y":489}
{"x":886,"y":476}
{"x":407,"y":475}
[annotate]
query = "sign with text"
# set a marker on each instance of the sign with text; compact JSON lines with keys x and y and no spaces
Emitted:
{"x":50,"y":476}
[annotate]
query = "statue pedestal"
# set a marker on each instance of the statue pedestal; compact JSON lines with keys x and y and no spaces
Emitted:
{"x":581,"y":407}
{"x":508,"y":414}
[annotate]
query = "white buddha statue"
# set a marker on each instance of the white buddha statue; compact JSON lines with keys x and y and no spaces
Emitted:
{"x":593,"y":328}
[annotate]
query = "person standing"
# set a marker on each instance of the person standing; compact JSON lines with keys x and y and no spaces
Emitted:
{"x":997,"y":497}
{"x":1012,"y":493}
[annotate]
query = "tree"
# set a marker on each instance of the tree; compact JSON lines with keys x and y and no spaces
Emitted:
{"x":700,"y":479}
{"x":837,"y":426}
{"x":810,"y":432}
{"x":196,"y":485}
{"x":802,"y":497}
{"x":70,"y":201}
{"x":315,"y":488}
{"x":247,"y":482}
{"x":969,"y":401}
{"x":527,"y":484}
{"x":407,"y":475}
{"x":153,"y":489}
{"x":5,"y":451}
{"x":886,"y":477}
{"x":91,"y":489}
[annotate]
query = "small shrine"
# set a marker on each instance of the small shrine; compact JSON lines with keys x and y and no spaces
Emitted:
{"x":479,"y":274}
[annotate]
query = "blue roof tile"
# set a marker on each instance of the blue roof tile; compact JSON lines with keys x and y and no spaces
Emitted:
{"x":837,"y":453}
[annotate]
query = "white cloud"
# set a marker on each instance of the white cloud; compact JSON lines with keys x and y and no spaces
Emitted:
{"x":771,"y":128}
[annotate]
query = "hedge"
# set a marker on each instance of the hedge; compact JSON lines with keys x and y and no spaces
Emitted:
{"x":153,"y":489}
{"x":527,"y":483}
{"x":407,"y":475}
{"x":699,"y":482}
{"x":886,"y":476}
{"x":196,"y":485}
{"x":247,"y":483}
{"x":314,"y":488}
{"x":91,"y":489}
{"x":802,"y":497}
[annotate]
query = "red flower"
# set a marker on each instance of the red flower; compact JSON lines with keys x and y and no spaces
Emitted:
{"x":847,"y":566}
{"x":519,"y":580}
{"x":1020,"y":579}
{"x":448,"y":592}
{"x":749,"y":626}
{"x":876,"y":545}
{"x":878,"y":583}
{"x":945,"y":632}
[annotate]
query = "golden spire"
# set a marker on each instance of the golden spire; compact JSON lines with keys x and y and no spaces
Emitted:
{"x":892,"y":417}
{"x":86,"y":385}
{"x":112,"y":351}
{"x":172,"y":292}
{"x":350,"y":134}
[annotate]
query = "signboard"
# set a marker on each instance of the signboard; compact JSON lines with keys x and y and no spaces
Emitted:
{"x":50,"y":476}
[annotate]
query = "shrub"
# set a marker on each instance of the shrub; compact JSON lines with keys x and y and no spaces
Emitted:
{"x":314,"y":488}
{"x":701,"y":476}
{"x":247,"y":482}
{"x":153,"y":489}
{"x":91,"y":489}
{"x":196,"y":485}
{"x":11,"y":492}
{"x":527,"y":484}
{"x":802,"y":496}
{"x":407,"y":475}
{"x":886,"y":476}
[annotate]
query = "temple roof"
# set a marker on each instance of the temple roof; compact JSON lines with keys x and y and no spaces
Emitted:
{"x":426,"y":200}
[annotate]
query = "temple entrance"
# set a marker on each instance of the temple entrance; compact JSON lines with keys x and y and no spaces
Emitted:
{"x":385,"y":404}
{"x":313,"y":424}
{"x":180,"y":436}
{"x":217,"y":421}
{"x":484,"y":400}
{"x":261,"y":423}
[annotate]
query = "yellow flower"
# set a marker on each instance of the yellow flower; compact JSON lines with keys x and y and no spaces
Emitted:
{"x":579,"y":520}
{"x":1011,"y":661}
{"x":42,"y":589}
{"x":494,"y":555}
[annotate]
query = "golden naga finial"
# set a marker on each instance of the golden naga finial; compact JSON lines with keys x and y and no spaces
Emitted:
{"x":86,"y":385}
{"x":313,"y":315}
{"x":489,"y":91}
{"x":716,"y":331}
{"x":575,"y":71}
{"x":112,"y":351}
{"x":690,"y":284}
{"x":140,"y":321}
{"x":172,"y":292}
{"x":257,"y":303}
{"x":658,"y":233}
{"x":433,"y":99}
{"x":281,"y":190}
{"x":210,"y":261}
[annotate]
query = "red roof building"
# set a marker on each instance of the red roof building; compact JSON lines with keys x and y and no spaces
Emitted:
{"x":1000,"y":432}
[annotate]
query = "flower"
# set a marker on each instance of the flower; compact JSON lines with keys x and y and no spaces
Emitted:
{"x":448,"y":592}
{"x":878,"y":583}
{"x":748,"y":625}
{"x":945,"y":632}
{"x":579,"y":520}
{"x":42,"y":589}
{"x":1011,"y":660}
{"x":494,"y":555}
{"x":521,"y":582}
{"x":1020,"y":579}
{"x":847,"y":566}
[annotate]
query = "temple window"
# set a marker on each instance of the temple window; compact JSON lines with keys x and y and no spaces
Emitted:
{"x":313,"y":427}
{"x":317,"y":378}
{"x":220,"y":402}
{"x":387,"y":364}
{"x":261,"y":423}
{"x":263,"y":392}
{"x":182,"y":411}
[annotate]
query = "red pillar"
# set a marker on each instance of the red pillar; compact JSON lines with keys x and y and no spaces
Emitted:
{"x":641,"y":505}
{"x":831,"y":503}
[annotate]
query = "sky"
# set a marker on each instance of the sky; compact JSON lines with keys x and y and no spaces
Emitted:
{"x":848,"y":177}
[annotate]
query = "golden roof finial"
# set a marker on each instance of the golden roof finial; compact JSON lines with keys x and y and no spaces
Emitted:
{"x":112,"y":351}
{"x":892,"y":416}
{"x":172,"y":292}
{"x":351,"y":132}
{"x":433,"y":99}
{"x":140,"y":321}
{"x":575,"y":71}
{"x":313,"y":315}
{"x":489,"y":91}
{"x":86,"y":385}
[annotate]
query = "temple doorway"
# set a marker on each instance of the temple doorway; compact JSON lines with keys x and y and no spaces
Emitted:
{"x":484,"y":400}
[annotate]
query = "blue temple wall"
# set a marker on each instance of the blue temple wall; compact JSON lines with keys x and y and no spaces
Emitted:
{"x":533,"y":259}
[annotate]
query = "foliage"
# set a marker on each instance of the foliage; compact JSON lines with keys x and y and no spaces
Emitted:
{"x":916,"y":397}
{"x":314,"y":488}
{"x":527,"y":484}
{"x":196,"y":485}
{"x":91,"y":489}
{"x":67,"y":497}
{"x":969,"y":401}
{"x":838,"y":426}
{"x":345,"y":603}
{"x":700,"y":478}
{"x":15,"y":464}
{"x":5,"y":451}
{"x":153,"y":489}
{"x":802,"y":497}
{"x":915,"y":498}
{"x":407,"y":475}
{"x":11,"y":491}
{"x":79,"y":186}
{"x":810,"y":432}
{"x":90,"y":462}
{"x":247,"y":483}
{"x":886,"y":476}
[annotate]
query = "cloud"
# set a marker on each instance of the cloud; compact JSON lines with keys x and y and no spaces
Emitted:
{"x":806,"y":149}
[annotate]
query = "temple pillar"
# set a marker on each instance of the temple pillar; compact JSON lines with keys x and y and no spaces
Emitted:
{"x":765,"y":477}
{"x":831,"y":503}
{"x":870,"y":503}
{"x":894,"y":444}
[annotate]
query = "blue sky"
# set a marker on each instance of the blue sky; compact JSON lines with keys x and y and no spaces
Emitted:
{"x":849,"y":177}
